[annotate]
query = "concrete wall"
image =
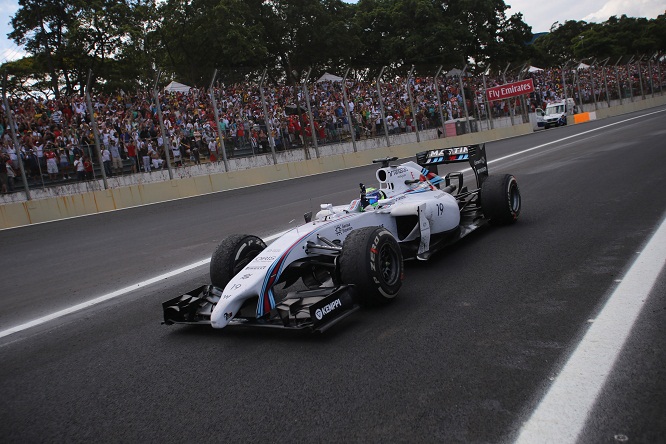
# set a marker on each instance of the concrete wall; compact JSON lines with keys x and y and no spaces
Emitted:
{"x":139,"y":189}
{"x":84,"y":198}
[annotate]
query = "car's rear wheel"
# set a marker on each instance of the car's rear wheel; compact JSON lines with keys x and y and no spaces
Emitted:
{"x":371,"y":260}
{"x":500,"y":199}
{"x":231,"y":255}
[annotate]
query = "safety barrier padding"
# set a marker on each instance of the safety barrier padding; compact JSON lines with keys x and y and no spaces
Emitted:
{"x":581,"y":118}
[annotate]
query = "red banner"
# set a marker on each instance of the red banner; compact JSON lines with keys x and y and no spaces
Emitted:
{"x":510,"y":90}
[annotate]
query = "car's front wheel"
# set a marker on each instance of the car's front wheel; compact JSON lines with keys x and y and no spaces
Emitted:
{"x":231,"y":255}
{"x":372,"y":261}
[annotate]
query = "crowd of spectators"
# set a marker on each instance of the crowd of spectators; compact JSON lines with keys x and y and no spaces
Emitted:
{"x":57,"y":142}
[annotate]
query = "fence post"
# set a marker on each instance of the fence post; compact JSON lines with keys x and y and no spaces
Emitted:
{"x":166,"y":138}
{"x":594,"y":95}
{"x":346,"y":102}
{"x":12,"y":130}
{"x":306,"y":93}
{"x":511,"y":108}
{"x":462,"y":90}
{"x":629,"y":82}
{"x":271,"y":142}
{"x":487,"y":102}
{"x":439,"y":101}
{"x":411,"y":103}
{"x":617,"y":80}
{"x":640,"y":77}
{"x":603,"y":74}
{"x":381,"y":105}
{"x":216,"y":113}
{"x":93,"y":124}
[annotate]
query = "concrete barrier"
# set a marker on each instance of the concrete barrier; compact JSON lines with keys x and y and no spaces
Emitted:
{"x":140,"y":189}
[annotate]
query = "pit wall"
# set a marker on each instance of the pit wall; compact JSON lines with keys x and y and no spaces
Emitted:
{"x":86,"y":198}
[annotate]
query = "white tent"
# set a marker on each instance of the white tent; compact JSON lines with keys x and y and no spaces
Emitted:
{"x":583,"y":66}
{"x":177,"y":87}
{"x":329,"y":78}
{"x":534,"y":69}
{"x":454,"y":72}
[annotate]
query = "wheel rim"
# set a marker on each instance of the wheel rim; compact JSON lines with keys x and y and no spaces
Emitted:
{"x":515,"y":199}
{"x":388,"y":264}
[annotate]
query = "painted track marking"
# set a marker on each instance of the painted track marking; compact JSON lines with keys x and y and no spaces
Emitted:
{"x":562,"y":413}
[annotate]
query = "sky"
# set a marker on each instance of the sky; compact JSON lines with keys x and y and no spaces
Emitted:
{"x":539,"y":14}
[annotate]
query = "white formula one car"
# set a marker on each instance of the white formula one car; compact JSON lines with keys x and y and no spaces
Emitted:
{"x":349,"y":255}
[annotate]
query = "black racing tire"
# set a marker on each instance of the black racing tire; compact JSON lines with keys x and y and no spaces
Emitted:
{"x":371,"y":260}
{"x":500,"y":199}
{"x":231,"y":255}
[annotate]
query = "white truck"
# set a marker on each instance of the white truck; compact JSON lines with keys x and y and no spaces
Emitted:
{"x":556,"y":113}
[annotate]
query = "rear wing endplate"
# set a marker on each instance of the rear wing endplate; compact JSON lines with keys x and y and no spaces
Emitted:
{"x":474,"y":154}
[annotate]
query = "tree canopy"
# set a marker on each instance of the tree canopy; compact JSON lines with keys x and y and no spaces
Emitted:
{"x":124,"y":42}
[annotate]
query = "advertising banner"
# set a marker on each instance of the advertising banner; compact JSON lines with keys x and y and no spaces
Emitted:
{"x":510,"y":90}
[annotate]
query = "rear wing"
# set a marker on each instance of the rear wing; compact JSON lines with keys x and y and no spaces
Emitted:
{"x":474,"y":154}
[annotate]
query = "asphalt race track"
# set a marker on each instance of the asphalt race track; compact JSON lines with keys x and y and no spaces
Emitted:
{"x":472,"y":346}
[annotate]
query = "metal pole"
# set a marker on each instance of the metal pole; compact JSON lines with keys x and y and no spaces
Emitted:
{"x":485,"y":98}
{"x":439,"y":101}
{"x":165,"y":137}
{"x":564,"y":82}
{"x":12,"y":130}
{"x":594,"y":95}
{"x":580,"y":95}
{"x":640,"y":77}
{"x":216,"y":113}
{"x":603,"y":74}
{"x":381,"y":105}
{"x":661,"y":91}
{"x":346,"y":102}
{"x":269,"y":129}
{"x":631,"y":85}
{"x":511,"y":111}
{"x":523,"y":103}
{"x":307,"y":102}
{"x":462,"y":90}
{"x":617,"y":80}
{"x":93,"y":124}
{"x":651,"y":78}
{"x":411,"y":103}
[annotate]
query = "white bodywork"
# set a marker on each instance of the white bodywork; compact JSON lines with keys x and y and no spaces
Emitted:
{"x":431,"y":210}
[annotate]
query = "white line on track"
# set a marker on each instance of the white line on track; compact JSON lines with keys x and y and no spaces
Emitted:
{"x":562,"y":413}
{"x":202,"y":262}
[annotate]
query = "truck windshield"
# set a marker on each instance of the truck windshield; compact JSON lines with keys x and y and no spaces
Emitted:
{"x":557,"y":109}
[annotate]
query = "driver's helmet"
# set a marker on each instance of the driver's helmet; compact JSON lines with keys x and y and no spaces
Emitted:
{"x":373,"y":195}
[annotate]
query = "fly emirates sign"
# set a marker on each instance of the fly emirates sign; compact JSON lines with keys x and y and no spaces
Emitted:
{"x":510,"y":90}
